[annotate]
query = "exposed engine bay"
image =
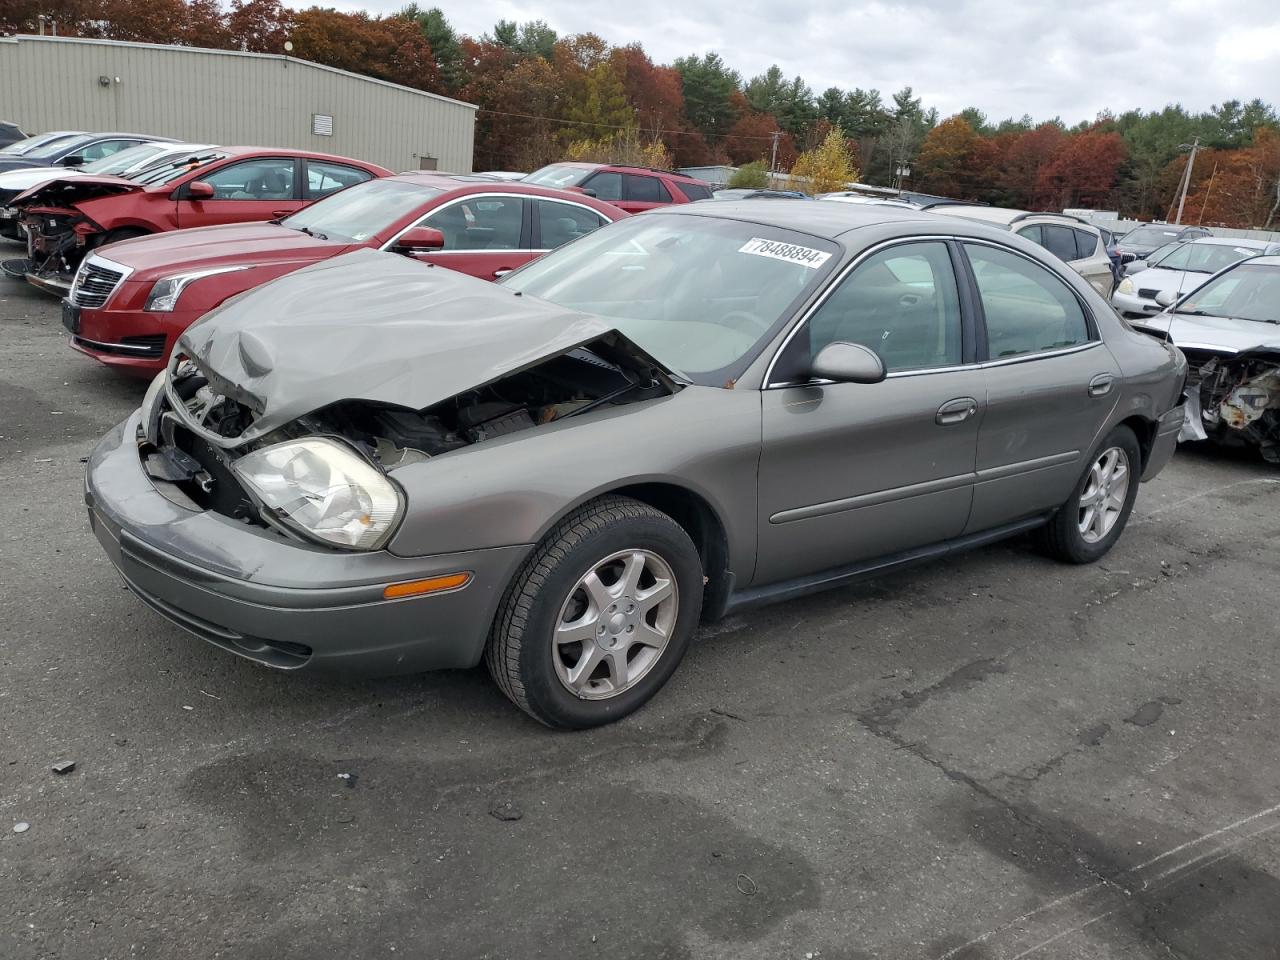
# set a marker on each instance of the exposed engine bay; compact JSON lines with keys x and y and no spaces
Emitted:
{"x":1234,"y":399}
{"x":188,"y":448}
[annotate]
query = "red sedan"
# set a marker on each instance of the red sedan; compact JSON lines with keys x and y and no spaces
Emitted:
{"x":64,"y":219}
{"x":130,"y":301}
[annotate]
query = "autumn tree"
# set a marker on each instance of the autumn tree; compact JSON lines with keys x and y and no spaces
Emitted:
{"x":1083,"y":171}
{"x":655,"y":93}
{"x":945,"y":164}
{"x":830,"y":166}
{"x":1026,"y":156}
{"x":752,"y":138}
{"x":621,"y":148}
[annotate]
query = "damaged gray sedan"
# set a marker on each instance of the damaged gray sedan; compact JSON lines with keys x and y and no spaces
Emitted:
{"x":373,"y":465}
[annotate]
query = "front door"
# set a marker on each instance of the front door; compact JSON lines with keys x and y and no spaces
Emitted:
{"x":484,"y":236}
{"x":850,"y":472}
{"x":1051,"y":385}
{"x":244,"y":191}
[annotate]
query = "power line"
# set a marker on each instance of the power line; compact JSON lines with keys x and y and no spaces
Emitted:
{"x":620,"y":126}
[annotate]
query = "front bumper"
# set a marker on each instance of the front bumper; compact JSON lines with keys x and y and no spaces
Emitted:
{"x":133,"y":341}
{"x":284,"y":604}
{"x":1132,"y":305}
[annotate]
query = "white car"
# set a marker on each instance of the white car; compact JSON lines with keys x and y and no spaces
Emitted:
{"x":1148,"y":292}
{"x":129,"y":161}
{"x":1073,"y":241}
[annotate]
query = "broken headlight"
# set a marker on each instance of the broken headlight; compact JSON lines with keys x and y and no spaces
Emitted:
{"x":1126,"y":286}
{"x":322,"y":488}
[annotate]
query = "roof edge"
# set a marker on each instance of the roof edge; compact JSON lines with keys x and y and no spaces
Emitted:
{"x":93,"y":41}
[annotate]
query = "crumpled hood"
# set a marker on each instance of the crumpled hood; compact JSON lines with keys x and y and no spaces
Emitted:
{"x":63,"y":191}
{"x":25,"y":179}
{"x":373,"y":326}
{"x":1227,"y":335}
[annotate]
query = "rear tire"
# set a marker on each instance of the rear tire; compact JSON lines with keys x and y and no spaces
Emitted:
{"x":599,"y":616}
{"x":1088,"y":525}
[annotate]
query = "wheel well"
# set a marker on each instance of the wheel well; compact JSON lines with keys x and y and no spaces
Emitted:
{"x":1145,"y":431}
{"x":701,"y":522}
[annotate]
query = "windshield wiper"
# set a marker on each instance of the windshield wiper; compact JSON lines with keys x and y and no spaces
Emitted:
{"x":309,"y":232}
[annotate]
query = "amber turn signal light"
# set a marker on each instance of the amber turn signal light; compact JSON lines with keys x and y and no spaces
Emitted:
{"x":414,"y":588}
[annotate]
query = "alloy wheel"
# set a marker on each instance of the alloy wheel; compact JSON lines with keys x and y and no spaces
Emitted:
{"x":1105,"y":493}
{"x":615,"y":624}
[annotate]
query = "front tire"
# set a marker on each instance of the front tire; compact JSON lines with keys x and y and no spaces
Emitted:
{"x":599,"y":617}
{"x":1088,"y":525}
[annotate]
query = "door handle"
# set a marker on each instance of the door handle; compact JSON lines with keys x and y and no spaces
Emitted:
{"x":501,"y":272}
{"x":956,"y":411}
{"x":1100,"y":385}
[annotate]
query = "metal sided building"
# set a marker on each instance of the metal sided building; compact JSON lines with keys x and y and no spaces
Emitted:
{"x":231,"y":98}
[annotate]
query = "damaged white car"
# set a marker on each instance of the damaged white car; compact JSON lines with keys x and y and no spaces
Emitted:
{"x":1229,"y":329}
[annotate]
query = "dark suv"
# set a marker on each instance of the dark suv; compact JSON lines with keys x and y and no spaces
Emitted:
{"x":1142,"y":241}
{"x":631,"y":188}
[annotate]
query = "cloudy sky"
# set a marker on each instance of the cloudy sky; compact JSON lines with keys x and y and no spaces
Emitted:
{"x":1067,"y":58}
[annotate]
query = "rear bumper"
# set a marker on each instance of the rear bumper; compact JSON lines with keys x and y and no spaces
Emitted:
{"x":1165,"y":443}
{"x":280,"y":603}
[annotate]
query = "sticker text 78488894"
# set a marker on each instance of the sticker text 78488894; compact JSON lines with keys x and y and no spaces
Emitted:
{"x":788,"y":252}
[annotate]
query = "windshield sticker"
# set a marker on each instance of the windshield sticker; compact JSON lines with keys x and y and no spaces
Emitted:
{"x":788,"y":252}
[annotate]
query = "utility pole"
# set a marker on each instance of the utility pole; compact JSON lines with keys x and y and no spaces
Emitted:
{"x":1186,"y":180}
{"x":773,"y":160}
{"x":1207,"y":193}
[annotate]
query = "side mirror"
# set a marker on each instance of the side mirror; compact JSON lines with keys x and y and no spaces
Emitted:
{"x":199,"y":190}
{"x":848,"y":363}
{"x":1166,"y":299}
{"x":75,"y":160}
{"x":420,"y":240}
{"x":588,"y":191}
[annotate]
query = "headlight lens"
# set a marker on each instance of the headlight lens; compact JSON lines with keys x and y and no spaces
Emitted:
{"x":164,"y":294}
{"x":323,"y":488}
{"x":1126,"y":286}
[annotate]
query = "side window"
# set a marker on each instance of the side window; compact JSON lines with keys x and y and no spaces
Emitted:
{"x":104,"y":149}
{"x":1086,"y":244}
{"x":1033,"y":233}
{"x":480,"y":223}
{"x":270,"y":178}
{"x":1028,"y":309}
{"x":562,"y":222}
{"x":1060,"y":241}
{"x":902,"y":303}
{"x":325,"y":178}
{"x":606,"y":186}
{"x":695,"y":191}
{"x":646,"y":189}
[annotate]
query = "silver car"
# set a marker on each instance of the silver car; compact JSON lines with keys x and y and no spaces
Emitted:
{"x":376,"y":465}
{"x":1229,"y":328}
{"x":1181,"y":270}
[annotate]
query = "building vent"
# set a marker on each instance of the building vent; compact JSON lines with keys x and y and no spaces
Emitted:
{"x":428,"y":163}
{"x":321,"y":125}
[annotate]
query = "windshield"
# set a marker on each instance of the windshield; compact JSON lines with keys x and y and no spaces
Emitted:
{"x":1250,"y":291}
{"x":1205,"y":257}
{"x":23,"y":147}
{"x":1155,"y":256}
{"x":56,"y":148}
{"x":1150,"y":236}
{"x":122,"y":161}
{"x":172,"y":169}
{"x":361,"y":211}
{"x":559,"y":175}
{"x":700,"y":294}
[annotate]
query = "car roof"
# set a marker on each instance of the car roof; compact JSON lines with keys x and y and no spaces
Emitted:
{"x":1268,"y":261}
{"x":625,"y":168}
{"x":241,"y":151}
{"x":1249,"y":242}
{"x":828,"y":220}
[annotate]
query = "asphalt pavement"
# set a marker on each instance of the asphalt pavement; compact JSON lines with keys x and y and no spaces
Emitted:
{"x":996,"y":757}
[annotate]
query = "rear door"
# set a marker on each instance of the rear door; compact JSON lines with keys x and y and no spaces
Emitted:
{"x":641,"y":192}
{"x":849,"y":471}
{"x":485,"y":235}
{"x":245,"y":191}
{"x":556,"y":222}
{"x":1050,"y":385}
{"x":325,"y":177}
